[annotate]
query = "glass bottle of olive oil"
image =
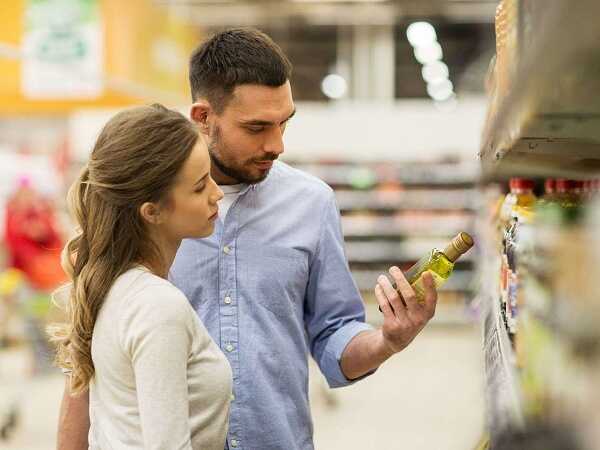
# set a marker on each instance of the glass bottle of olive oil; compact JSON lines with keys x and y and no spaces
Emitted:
{"x":440,"y":263}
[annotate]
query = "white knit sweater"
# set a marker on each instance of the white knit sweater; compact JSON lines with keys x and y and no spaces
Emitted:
{"x":160,"y":381}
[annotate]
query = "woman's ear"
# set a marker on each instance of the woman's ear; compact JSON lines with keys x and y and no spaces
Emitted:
{"x":151,"y":213}
{"x":200,"y":113}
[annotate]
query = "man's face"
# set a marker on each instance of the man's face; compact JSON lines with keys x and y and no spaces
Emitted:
{"x":247,"y":136}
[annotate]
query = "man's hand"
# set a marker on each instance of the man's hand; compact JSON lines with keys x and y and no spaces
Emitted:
{"x":403,"y":316}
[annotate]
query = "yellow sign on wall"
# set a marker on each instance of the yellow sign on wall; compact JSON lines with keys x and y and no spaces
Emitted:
{"x":144,"y":59}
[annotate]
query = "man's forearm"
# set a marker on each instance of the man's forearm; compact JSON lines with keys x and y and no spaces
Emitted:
{"x":74,"y":421}
{"x":364,"y":353}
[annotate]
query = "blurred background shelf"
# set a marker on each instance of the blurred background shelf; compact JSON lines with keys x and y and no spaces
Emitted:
{"x":394,"y":213}
{"x":418,"y":224}
{"x":419,"y":199}
{"x":430,"y":174}
{"x":396,"y":252}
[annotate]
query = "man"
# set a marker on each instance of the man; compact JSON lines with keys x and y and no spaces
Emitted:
{"x":272,"y":284}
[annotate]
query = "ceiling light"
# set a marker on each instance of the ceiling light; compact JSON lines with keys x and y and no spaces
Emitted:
{"x":421,"y":34}
{"x":435,"y":72}
{"x":334,"y":86}
{"x":430,"y":53}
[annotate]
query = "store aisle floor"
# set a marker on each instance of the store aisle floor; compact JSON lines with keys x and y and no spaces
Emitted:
{"x":427,"y":398}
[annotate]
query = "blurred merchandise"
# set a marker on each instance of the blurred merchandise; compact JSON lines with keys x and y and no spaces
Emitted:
{"x":12,"y":282}
{"x":519,"y":198}
{"x":542,"y":322}
{"x":32,"y":238}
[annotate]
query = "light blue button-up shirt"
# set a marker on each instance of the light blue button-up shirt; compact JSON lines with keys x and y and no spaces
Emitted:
{"x":271,"y":285}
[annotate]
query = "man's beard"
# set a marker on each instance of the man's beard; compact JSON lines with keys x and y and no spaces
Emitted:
{"x":237,"y":173}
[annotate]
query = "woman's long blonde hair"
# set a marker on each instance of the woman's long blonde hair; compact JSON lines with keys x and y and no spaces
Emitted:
{"x":135,"y":160}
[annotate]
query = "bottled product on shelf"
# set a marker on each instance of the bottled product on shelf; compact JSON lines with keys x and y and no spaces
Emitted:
{"x":564,"y":205}
{"x":569,"y":193}
{"x":549,"y":192}
{"x":547,"y":303}
{"x":519,"y":199}
{"x":517,"y":208}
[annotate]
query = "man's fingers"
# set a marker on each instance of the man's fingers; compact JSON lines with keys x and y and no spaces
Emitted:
{"x":392,"y":296}
{"x":430,"y":294}
{"x":405,"y":289}
{"x":384,"y":305}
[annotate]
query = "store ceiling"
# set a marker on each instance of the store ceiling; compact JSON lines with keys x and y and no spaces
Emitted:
{"x":309,"y":32}
{"x":330,"y":12}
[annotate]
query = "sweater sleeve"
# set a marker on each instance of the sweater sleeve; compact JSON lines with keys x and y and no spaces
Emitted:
{"x":157,"y":334}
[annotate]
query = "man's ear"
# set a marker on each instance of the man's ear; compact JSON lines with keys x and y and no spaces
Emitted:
{"x":200,"y":113}
{"x":151,"y":213}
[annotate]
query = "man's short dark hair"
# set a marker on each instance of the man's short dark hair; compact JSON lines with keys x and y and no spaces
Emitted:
{"x":234,"y":57}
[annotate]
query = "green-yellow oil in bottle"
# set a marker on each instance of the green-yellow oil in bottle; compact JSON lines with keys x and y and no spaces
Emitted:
{"x":440,"y":263}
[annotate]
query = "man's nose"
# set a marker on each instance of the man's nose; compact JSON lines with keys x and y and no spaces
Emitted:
{"x":274,"y":142}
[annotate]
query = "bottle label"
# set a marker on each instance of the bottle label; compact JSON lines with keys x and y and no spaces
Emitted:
{"x":419,"y":286}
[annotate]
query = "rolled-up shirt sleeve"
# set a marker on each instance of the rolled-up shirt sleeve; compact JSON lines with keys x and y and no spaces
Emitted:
{"x":334,"y":311}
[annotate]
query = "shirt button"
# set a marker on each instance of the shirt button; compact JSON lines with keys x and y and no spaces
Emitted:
{"x":227,"y":300}
{"x":226,"y":250}
{"x":234,"y":443}
{"x":229,"y":347}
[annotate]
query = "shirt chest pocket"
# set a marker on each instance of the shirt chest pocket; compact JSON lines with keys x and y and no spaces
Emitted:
{"x":276,"y":279}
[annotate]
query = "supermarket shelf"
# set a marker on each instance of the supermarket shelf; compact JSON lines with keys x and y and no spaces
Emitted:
{"x":549,"y":123}
{"x":445,"y":200}
{"x":503,"y":388}
{"x":407,"y":225}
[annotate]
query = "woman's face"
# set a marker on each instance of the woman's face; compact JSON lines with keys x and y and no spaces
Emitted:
{"x":192,"y":209}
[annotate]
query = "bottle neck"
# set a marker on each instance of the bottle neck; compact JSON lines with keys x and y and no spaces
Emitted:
{"x":451,"y":253}
{"x":459,"y":245}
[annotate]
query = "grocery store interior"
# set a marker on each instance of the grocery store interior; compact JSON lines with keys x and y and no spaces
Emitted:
{"x":427,"y":118}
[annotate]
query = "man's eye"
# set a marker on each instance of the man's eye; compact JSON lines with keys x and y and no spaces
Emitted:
{"x":255,"y":129}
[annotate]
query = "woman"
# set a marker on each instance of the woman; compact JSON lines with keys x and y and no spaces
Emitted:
{"x":156,"y":379}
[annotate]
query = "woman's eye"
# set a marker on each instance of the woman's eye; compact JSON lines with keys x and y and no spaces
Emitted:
{"x":255,"y":130}
{"x":200,"y":189}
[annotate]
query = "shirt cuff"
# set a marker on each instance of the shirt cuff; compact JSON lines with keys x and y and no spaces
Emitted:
{"x":330,"y":361}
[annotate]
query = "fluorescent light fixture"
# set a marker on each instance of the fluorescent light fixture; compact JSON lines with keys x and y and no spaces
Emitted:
{"x":340,"y":1}
{"x":435,"y":72}
{"x":334,"y":86}
{"x":441,"y":91}
{"x":429,"y":54}
{"x":421,"y":34}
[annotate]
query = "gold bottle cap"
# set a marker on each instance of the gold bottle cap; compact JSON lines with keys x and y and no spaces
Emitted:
{"x":459,"y":245}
